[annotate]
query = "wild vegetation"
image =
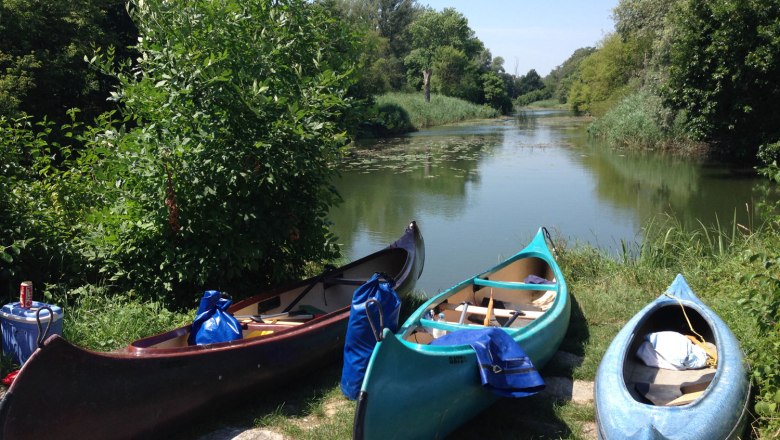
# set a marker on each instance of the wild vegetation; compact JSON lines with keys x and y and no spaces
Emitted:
{"x":404,"y":112}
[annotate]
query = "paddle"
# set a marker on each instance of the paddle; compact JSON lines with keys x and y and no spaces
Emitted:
{"x":489,"y":313}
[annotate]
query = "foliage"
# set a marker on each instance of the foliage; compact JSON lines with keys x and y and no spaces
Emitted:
{"x":438,"y":37}
{"x":762,"y":301}
{"x":97,"y":319}
{"x":387,"y":119}
{"x":603,"y":78}
{"x":42,"y":49}
{"x":725,"y":61}
{"x":560,"y":79}
{"x":496,"y":95}
{"x":528,"y":83}
{"x":640,"y":120}
{"x":223,"y":179}
{"x":769,"y":155}
{"x":534,"y":96}
{"x":443,"y":110}
{"x":41,"y":207}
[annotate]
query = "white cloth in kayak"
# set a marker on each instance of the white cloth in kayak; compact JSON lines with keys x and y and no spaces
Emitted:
{"x":671,"y":351}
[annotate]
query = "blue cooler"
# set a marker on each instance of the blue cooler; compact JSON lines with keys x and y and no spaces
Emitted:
{"x":20,"y":328}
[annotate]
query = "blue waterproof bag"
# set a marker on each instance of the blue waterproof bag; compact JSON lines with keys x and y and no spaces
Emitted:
{"x":212,"y":322}
{"x":365,"y":328}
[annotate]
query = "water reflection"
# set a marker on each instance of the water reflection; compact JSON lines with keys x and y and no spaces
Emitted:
{"x":386,"y":184}
{"x":480,"y":190}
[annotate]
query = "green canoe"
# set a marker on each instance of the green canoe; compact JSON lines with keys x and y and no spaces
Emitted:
{"x":413,"y":390}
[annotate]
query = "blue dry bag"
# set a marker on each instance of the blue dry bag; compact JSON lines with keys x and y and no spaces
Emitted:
{"x":212,"y":322}
{"x":367,"y":301}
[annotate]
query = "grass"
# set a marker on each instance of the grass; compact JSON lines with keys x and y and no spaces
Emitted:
{"x":548,"y":103}
{"x":641,"y":121}
{"x":717,"y":262}
{"x":606,"y":293}
{"x":439,"y":111}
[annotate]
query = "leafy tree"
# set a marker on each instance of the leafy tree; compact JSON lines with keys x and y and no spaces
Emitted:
{"x":560,"y":79}
{"x":725,"y":61}
{"x":393,"y":22}
{"x":42,"y":50}
{"x":528,"y":83}
{"x":433,"y":31}
{"x":384,"y":29}
{"x":451,"y":66}
{"x":603,"y":78}
{"x":42,"y":204}
{"x":494,"y":88}
{"x":497,"y":65}
{"x":224,"y":178}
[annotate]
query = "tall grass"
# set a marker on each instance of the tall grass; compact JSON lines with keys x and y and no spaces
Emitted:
{"x":640,"y":120}
{"x":98,"y":321}
{"x":441,"y":110}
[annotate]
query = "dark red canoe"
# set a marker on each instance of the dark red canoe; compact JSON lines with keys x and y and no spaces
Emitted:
{"x":156,"y":383}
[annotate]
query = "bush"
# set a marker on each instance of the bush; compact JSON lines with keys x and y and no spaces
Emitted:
{"x":641,"y":120}
{"x":536,"y":95}
{"x":388,"y":119}
{"x":41,"y":206}
{"x":763,"y":303}
{"x":441,"y":110}
{"x":223,"y":179}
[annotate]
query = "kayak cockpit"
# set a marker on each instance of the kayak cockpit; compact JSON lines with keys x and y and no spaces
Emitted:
{"x":664,"y":387}
{"x":521,"y":291}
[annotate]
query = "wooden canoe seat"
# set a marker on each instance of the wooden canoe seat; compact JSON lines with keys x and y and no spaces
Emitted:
{"x":500,"y":313}
{"x":513,"y":285}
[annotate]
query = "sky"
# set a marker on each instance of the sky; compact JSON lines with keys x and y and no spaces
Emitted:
{"x":539,"y":34}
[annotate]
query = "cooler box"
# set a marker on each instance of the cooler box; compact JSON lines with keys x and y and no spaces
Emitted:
{"x":20,"y":328}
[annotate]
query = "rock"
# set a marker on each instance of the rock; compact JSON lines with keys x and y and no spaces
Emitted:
{"x":563,"y":388}
{"x":242,"y":434}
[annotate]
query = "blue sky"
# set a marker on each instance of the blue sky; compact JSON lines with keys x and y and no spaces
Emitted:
{"x":539,"y":34}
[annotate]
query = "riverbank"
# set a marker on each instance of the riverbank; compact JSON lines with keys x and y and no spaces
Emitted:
{"x":606,"y":293}
{"x":397,"y":113}
{"x":724,"y":267}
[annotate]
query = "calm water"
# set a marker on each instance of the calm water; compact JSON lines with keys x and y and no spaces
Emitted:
{"x":479,"y":191}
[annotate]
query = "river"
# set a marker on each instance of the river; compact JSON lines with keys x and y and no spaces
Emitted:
{"x":480,"y":190}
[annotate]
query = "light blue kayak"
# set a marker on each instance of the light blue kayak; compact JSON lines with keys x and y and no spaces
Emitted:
{"x":414,"y":390}
{"x":635,"y":401}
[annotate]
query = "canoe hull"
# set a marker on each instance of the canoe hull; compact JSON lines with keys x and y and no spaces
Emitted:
{"x":148,"y":392}
{"x":417,"y":391}
{"x":720,"y":413}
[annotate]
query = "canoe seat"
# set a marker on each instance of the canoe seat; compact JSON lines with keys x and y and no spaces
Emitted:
{"x":500,"y":313}
{"x":513,"y":285}
{"x":667,"y":387}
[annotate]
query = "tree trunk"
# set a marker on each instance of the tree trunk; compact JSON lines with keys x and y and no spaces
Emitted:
{"x":427,"y":85}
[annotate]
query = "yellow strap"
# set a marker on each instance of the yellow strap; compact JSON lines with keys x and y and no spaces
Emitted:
{"x":710,"y":349}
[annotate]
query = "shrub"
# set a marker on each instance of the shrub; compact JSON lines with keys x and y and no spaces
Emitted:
{"x":223,"y":179}
{"x":640,"y":120}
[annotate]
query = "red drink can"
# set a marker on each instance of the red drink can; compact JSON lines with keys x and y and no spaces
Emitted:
{"x":26,"y":294}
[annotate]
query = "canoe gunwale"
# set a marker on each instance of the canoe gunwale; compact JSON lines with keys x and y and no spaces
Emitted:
{"x":550,"y":315}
